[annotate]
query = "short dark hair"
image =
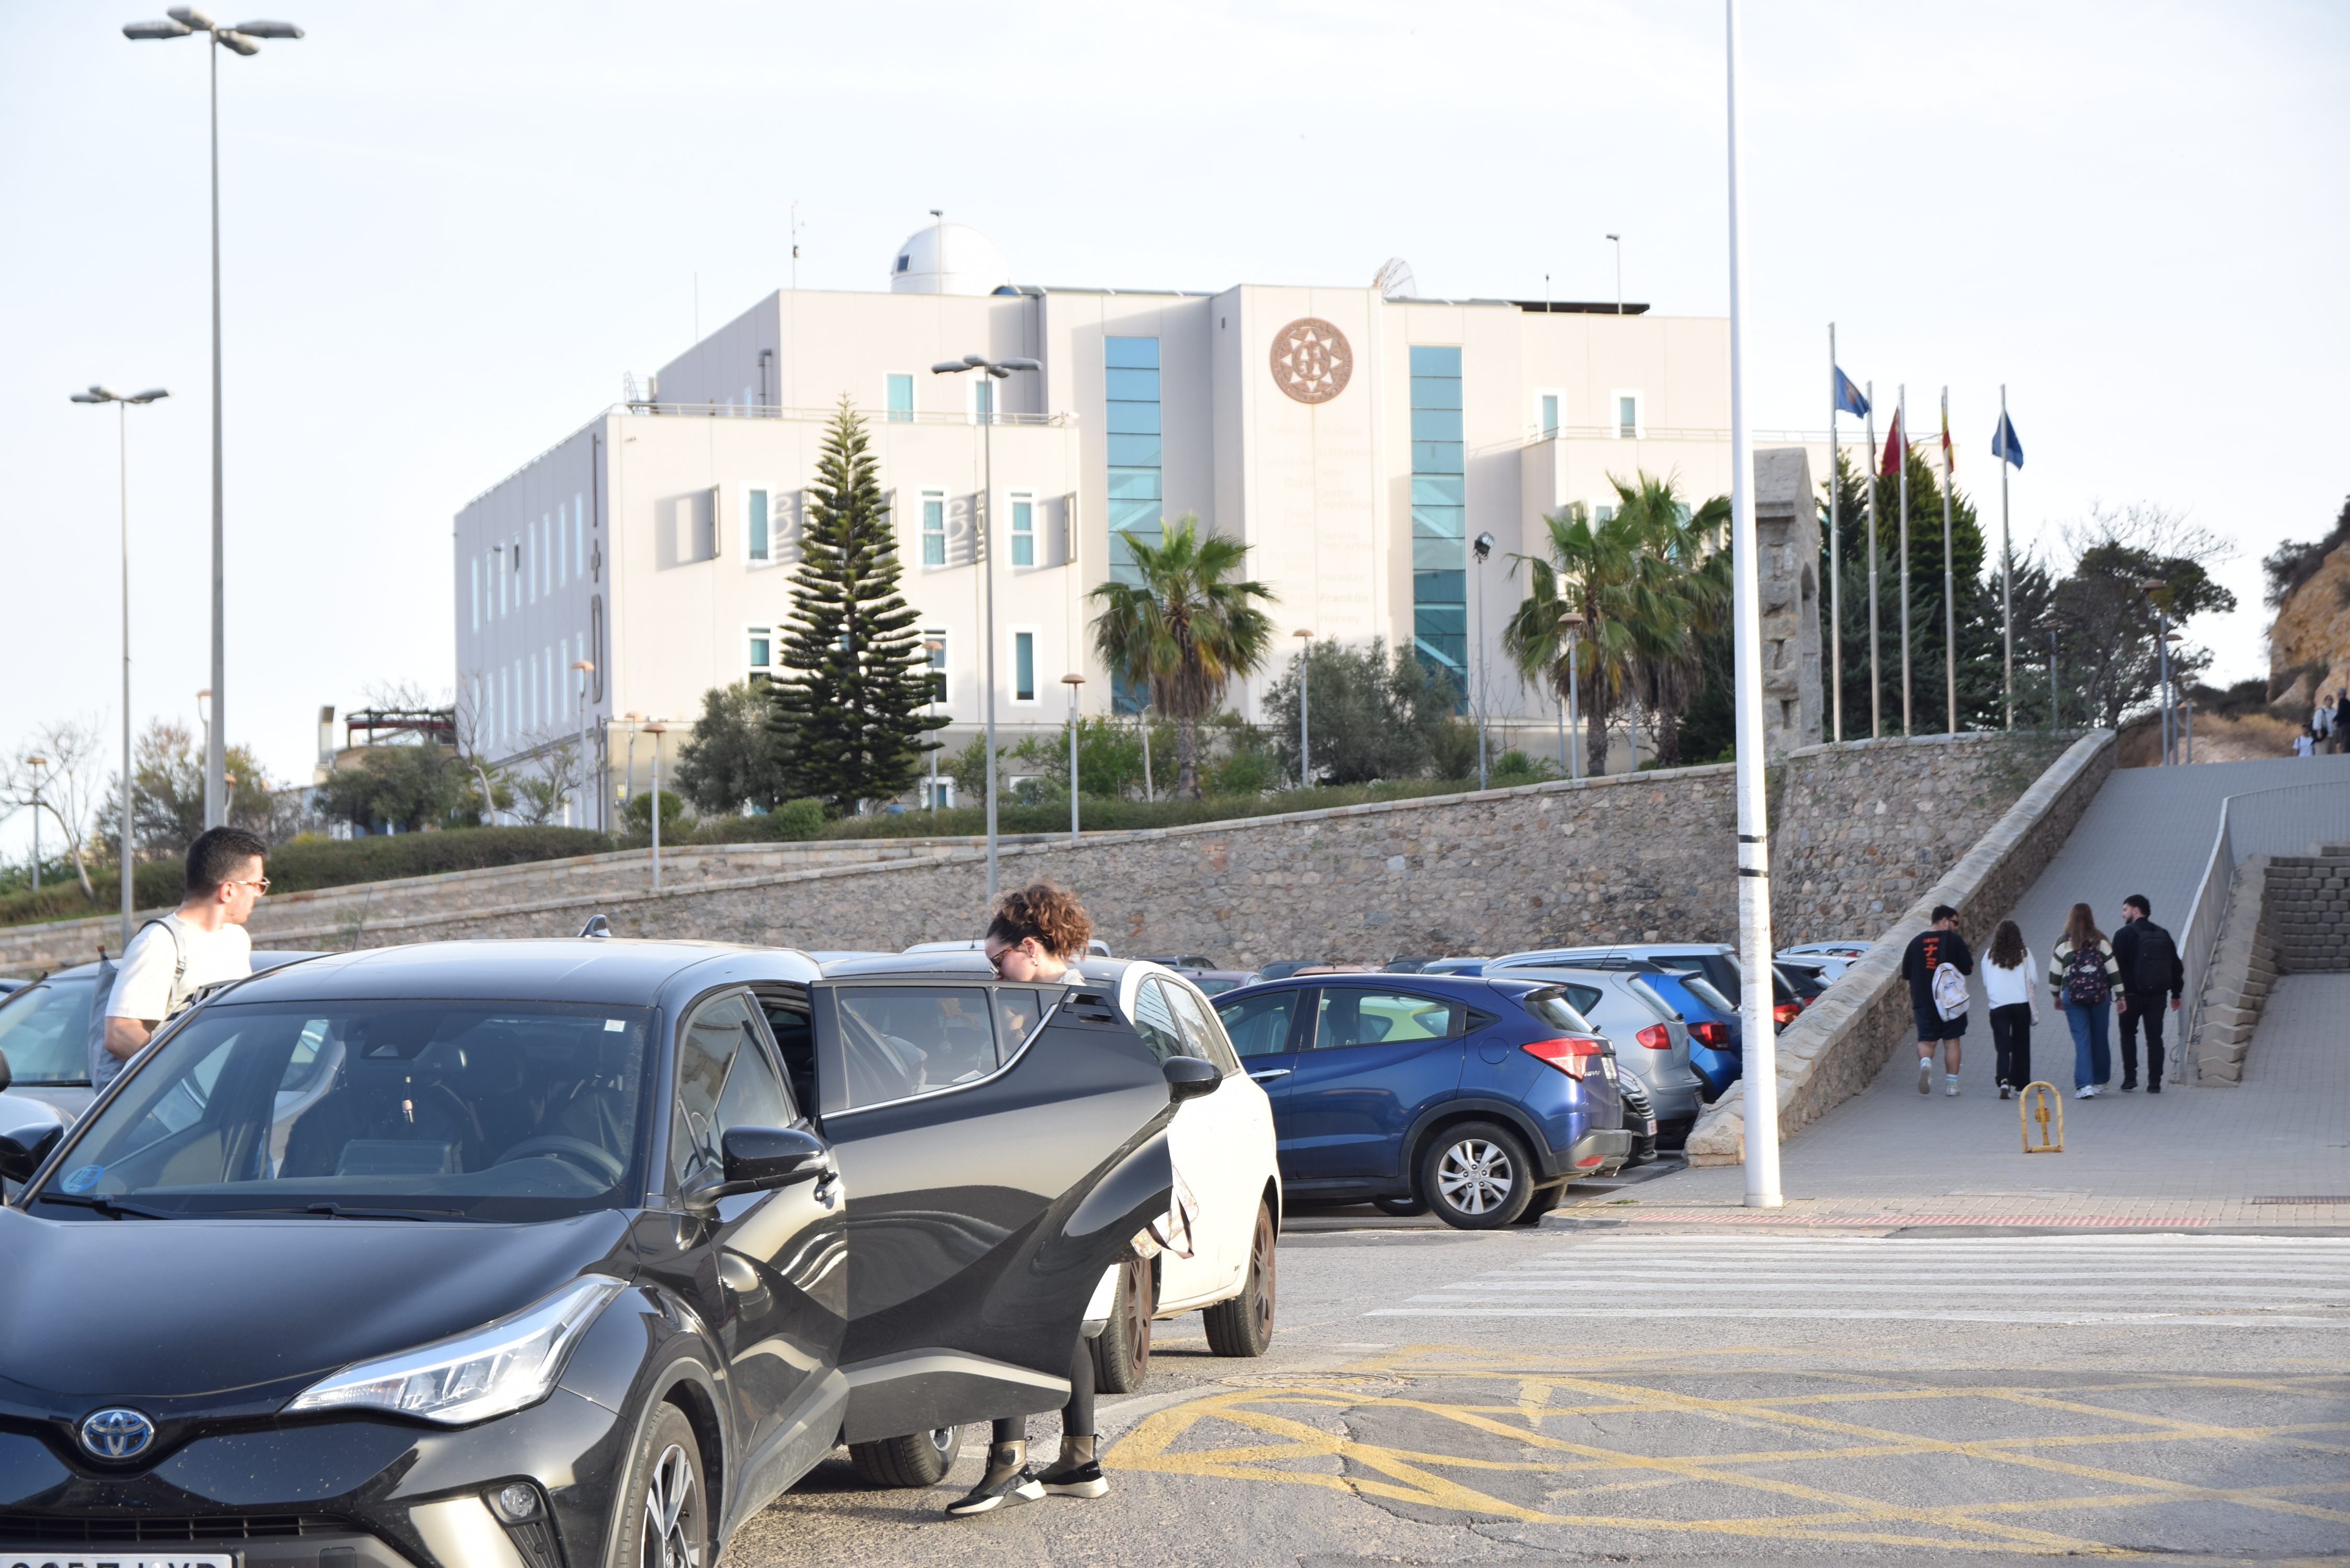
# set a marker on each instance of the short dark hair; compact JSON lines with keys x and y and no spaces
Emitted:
{"x":1943,"y":912}
{"x":218,"y":851}
{"x":2138,"y":902}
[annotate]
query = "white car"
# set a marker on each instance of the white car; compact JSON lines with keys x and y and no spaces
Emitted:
{"x":1829,"y":959}
{"x":1097,"y":948}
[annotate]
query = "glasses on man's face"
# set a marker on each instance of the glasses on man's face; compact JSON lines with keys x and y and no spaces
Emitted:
{"x":259,"y":884}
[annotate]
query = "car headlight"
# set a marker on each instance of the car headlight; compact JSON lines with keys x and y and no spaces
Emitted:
{"x":496,"y":1369}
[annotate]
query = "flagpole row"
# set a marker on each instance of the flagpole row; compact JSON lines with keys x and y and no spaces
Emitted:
{"x":1876,"y":677}
{"x":1950,"y":579}
{"x":1835,"y":540}
{"x":1897,"y":449}
{"x":2006,"y":560}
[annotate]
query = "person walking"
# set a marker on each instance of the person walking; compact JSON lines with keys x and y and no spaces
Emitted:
{"x":1036,"y":937}
{"x":2150,"y":967}
{"x":2306,"y":744}
{"x":201,"y":943}
{"x":2082,"y":974}
{"x":2339,"y":727}
{"x":1931,"y":952}
{"x":2012,"y":990}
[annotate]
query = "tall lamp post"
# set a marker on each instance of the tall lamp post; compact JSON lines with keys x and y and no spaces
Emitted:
{"x":1570,"y":744}
{"x":36,"y":764}
{"x":1483,"y":548}
{"x":2150,"y":586}
{"x":585,"y":666}
{"x":1617,"y":241}
{"x":122,"y":460}
{"x":1073,"y":682}
{"x":1304,"y":666}
{"x":241,"y":39}
{"x":656,"y":731}
{"x":998,"y":369}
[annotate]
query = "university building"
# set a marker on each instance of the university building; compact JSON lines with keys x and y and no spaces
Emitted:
{"x":1357,"y":438}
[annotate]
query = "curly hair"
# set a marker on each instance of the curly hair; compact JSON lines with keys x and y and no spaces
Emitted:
{"x":1048,"y":912}
{"x":2007,"y":945}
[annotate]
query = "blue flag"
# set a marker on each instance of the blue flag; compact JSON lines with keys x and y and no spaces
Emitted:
{"x":2005,"y":444}
{"x":1847,"y":395}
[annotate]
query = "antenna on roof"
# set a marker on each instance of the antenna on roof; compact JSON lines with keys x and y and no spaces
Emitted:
{"x":1394,"y":279}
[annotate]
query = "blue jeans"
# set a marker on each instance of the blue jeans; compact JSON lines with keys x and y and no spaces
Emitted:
{"x":2092,"y":1053}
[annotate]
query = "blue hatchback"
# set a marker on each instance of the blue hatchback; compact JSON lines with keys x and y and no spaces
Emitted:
{"x":1717,"y":1051}
{"x":1479,"y":1099}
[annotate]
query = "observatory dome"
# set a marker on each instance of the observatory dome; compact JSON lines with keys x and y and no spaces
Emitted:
{"x":948,"y":258}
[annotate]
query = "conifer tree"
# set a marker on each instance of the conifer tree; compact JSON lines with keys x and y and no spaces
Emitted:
{"x":855,"y":681}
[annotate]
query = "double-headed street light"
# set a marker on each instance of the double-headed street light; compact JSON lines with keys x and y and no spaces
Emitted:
{"x":244,"y":38}
{"x":1483,"y":548}
{"x":996,"y":370}
{"x":122,"y":457}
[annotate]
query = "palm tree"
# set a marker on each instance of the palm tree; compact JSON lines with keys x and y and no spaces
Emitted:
{"x":1185,"y":626}
{"x":1694,"y":596}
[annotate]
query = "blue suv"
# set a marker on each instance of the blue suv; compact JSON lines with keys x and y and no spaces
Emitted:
{"x":1479,"y":1099}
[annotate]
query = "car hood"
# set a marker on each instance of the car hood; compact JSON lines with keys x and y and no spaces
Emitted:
{"x":246,"y":1312}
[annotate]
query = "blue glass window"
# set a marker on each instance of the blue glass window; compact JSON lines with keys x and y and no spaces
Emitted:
{"x":1137,"y":501}
{"x":934,"y":528}
{"x":1440,"y":530}
{"x":755,"y":521}
{"x":1023,"y":667}
{"x":1024,"y":533}
{"x":901,"y":399}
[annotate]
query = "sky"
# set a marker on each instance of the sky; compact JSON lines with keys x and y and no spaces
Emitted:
{"x":448,"y":230}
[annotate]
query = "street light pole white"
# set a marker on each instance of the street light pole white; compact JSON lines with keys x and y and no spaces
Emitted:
{"x":1761,"y":1066}
{"x":243,"y":39}
{"x":122,"y":459}
{"x":1572,"y":620}
{"x":1484,"y":548}
{"x":1835,"y":543}
{"x":584,"y":666}
{"x":36,"y":764}
{"x":656,"y":732}
{"x":1073,"y":682}
{"x":1001,"y":369}
{"x":1305,"y":668}
{"x":1617,"y":241}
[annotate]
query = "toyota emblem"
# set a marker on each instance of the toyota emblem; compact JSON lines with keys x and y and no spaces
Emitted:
{"x":117,"y":1434}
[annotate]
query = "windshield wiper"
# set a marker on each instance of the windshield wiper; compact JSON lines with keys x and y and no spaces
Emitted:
{"x":113,"y":1205}
{"x":337,"y":1211}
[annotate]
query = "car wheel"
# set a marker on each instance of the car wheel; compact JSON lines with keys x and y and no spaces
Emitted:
{"x":1243,"y":1325}
{"x":1122,"y":1350}
{"x":1542,"y":1203}
{"x":920,"y":1459}
{"x":667,"y":1521}
{"x":1477,"y":1175}
{"x":1401,"y":1208}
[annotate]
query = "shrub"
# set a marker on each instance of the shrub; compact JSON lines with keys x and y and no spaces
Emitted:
{"x":640,"y":813}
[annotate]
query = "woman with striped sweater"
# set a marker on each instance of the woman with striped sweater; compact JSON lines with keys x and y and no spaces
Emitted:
{"x":2084,"y":975}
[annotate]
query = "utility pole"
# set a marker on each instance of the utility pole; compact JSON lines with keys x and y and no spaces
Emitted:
{"x":1304,"y":748}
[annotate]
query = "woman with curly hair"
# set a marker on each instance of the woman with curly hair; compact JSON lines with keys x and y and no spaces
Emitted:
{"x":1036,"y":937}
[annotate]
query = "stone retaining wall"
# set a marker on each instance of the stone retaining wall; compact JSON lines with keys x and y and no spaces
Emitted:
{"x":2287,"y":914}
{"x":1843,"y":1039}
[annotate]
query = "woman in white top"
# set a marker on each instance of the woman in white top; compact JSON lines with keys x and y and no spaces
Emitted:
{"x":2013,"y":992}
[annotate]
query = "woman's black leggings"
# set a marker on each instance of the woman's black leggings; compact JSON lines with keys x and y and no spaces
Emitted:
{"x":1076,"y":1416}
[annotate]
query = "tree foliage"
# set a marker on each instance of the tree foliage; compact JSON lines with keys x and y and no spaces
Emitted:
{"x":735,"y":758}
{"x":2291,"y":564}
{"x":399,"y":788}
{"x":1369,"y":714}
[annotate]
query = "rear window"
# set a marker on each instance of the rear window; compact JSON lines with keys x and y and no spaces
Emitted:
{"x":1649,"y":995}
{"x":1706,"y":991}
{"x":1555,"y":1010}
{"x":44,"y":1031}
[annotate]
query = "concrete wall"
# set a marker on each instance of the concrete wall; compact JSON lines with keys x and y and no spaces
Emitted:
{"x":2287,"y":914}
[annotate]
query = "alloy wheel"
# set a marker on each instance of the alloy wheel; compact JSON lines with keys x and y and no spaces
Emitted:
{"x":673,"y":1533}
{"x":1261,"y":1270}
{"x":1476,"y":1175}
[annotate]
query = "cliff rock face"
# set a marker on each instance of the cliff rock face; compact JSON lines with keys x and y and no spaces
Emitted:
{"x":2312,"y":627}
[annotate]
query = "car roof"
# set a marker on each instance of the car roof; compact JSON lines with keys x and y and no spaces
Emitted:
{"x":612,"y":971}
{"x":1622,"y":949}
{"x":263,"y":958}
{"x":1460,"y":984}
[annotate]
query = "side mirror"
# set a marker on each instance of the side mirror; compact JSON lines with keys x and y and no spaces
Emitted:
{"x":6,"y":1079}
{"x":28,"y":1131}
{"x":758,"y":1159}
{"x":1188,"y":1078}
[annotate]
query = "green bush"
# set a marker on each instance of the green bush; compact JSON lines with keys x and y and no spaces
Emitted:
{"x":790,"y":823}
{"x":1100,"y":814}
{"x":640,"y":814}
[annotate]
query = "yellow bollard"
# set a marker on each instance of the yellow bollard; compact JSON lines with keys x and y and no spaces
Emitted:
{"x":2024,"y":1114}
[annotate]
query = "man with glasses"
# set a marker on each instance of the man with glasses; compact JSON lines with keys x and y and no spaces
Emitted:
{"x":201,"y":943}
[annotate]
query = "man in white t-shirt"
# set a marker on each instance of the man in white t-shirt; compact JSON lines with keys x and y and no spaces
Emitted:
{"x":201,"y":943}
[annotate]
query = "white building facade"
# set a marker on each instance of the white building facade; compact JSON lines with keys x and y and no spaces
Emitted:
{"x":1356,"y":442}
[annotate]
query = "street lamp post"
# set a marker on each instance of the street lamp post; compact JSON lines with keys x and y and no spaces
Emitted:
{"x":1570,"y":743}
{"x":657,"y":732}
{"x":1073,"y":682}
{"x":241,"y":39}
{"x":1617,"y":241}
{"x":122,"y":460}
{"x":1483,"y":548}
{"x":999,"y":369}
{"x":2151,"y":586}
{"x":584,"y":665}
{"x":36,"y":764}
{"x":1304,"y":669}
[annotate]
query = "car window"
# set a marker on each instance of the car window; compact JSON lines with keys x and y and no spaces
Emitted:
{"x":1582,"y":997}
{"x":1259,"y":1025}
{"x":1554,"y":1009}
{"x":1018,"y":1010}
{"x":1708,"y":994}
{"x":724,"y":1080}
{"x":1655,"y":999}
{"x":788,"y":1021}
{"x":1349,"y":1016}
{"x":902,"y":1040}
{"x":44,"y":1031}
{"x":1154,"y":1019}
{"x":1200,"y":1027}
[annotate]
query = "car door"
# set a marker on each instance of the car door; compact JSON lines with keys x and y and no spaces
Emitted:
{"x":1376,"y":1058}
{"x":767,"y":1270}
{"x":1219,"y":1146}
{"x":1263,"y":1029}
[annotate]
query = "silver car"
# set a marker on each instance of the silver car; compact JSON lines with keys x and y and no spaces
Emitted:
{"x":1650,"y":1039}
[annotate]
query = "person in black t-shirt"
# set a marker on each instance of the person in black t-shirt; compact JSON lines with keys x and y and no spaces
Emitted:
{"x":2150,"y":966}
{"x":1929,"y":950}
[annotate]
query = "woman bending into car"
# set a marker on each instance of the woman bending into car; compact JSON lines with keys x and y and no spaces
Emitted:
{"x":1037,"y":935}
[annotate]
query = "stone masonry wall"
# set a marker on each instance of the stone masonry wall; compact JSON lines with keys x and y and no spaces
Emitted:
{"x":2286,"y":914}
{"x":1643,"y":857}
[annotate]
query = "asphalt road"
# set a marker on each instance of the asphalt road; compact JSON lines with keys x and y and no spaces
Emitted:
{"x":1602,"y":1391}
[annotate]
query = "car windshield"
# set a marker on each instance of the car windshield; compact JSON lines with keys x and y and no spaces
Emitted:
{"x":430,"y":1109}
{"x":1555,"y":1010}
{"x":44,"y":1031}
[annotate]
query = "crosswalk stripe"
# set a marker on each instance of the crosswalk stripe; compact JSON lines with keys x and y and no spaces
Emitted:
{"x":2238,"y":1320}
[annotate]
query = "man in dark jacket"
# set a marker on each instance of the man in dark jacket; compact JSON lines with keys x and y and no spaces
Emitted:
{"x":1929,"y":950}
{"x":2151,"y":967}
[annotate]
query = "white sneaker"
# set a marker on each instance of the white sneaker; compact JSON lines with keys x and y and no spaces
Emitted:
{"x":1926,"y":1075}
{"x":2086,"y":1091}
{"x":1950,"y":1087}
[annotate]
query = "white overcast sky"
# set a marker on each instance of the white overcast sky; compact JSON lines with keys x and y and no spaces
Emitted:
{"x":449,"y":229}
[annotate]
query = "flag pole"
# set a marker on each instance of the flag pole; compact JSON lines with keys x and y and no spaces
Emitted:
{"x":1949,"y":590}
{"x":2006,"y":562}
{"x":1761,"y":1071}
{"x":1876,"y":679}
{"x":1901,"y":434}
{"x":1835,"y":558}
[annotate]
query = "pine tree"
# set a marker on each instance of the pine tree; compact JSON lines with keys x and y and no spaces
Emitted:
{"x":850,"y":702}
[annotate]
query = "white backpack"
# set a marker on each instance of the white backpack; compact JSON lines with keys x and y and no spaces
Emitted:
{"x":1949,"y":991}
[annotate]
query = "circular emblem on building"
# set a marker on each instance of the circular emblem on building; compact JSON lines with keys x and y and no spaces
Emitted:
{"x":117,"y":1434}
{"x":1311,"y":360}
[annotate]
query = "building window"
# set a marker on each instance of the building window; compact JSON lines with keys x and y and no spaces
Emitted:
{"x":1023,"y":529}
{"x":477,"y":593}
{"x":941,"y":793}
{"x":761,"y":661}
{"x":1023,"y":667}
{"x":982,"y":398}
{"x":1603,"y":514}
{"x":1136,"y":498}
{"x":580,"y":536}
{"x":1629,"y":425}
{"x":934,"y":527}
{"x":755,"y":525}
{"x":901,"y":400}
{"x":934,"y":651}
{"x":1549,"y":415}
{"x":1440,"y":561}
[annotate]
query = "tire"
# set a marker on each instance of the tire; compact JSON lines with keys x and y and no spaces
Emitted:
{"x":1542,"y":1203}
{"x":1401,"y":1208}
{"x":664,"y":1508}
{"x":1243,"y":1325}
{"x":920,"y":1459}
{"x":1477,"y":1175}
{"x":1122,"y":1351}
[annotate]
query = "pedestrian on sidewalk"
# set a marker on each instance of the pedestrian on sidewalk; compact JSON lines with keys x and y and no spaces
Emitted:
{"x":201,"y":943}
{"x":2012,"y":989}
{"x":2306,"y":744}
{"x":2151,"y":967}
{"x":2084,"y":975}
{"x":1939,"y":1002}
{"x":2338,"y":726}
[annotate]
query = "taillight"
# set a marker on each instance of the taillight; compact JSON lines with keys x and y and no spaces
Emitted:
{"x":1710,"y":1034}
{"x":1567,"y":1053}
{"x":1786,"y":1012}
{"x":1656,"y":1037}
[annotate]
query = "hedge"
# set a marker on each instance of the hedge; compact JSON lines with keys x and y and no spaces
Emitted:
{"x":1107,"y":814}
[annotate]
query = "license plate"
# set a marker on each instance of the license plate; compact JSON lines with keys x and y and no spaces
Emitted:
{"x":1652,"y":1126}
{"x":1608,"y":1068}
{"x":100,"y":1557}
